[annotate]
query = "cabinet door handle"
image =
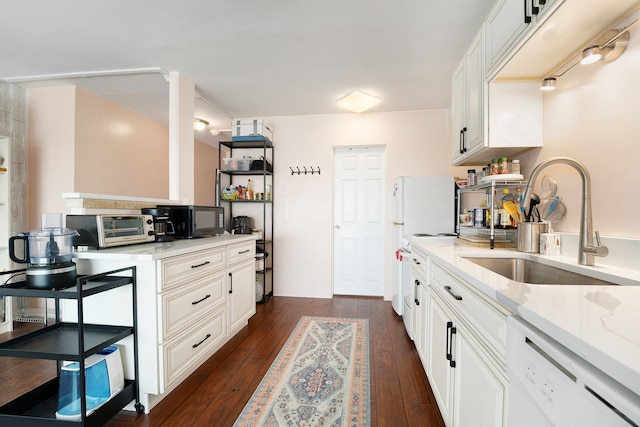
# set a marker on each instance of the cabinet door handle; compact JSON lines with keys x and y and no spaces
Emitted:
{"x":205,"y":338}
{"x":535,"y":7}
{"x":452,"y":362}
{"x":200,"y":265}
{"x":462,"y":142}
{"x":449,"y":326}
{"x":456,"y":296}
{"x":200,"y":300}
{"x":415,"y":299}
{"x":527,"y":17}
{"x":231,"y":283}
{"x":416,"y":262}
{"x":244,"y":252}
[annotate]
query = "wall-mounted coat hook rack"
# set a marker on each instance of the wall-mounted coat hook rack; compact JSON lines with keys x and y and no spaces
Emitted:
{"x":304,"y":170}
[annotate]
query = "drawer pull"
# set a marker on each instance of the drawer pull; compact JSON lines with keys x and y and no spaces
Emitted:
{"x":205,"y":338}
{"x":244,"y":252}
{"x":456,"y":296}
{"x":200,"y":265}
{"x":200,"y":300}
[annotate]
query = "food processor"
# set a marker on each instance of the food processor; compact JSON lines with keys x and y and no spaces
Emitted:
{"x":48,"y":253}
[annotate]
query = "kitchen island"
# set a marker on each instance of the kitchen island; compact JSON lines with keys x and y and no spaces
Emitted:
{"x":597,"y":323}
{"x":193,"y":295}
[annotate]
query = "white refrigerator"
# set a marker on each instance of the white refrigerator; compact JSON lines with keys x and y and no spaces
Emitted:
{"x":421,"y":205}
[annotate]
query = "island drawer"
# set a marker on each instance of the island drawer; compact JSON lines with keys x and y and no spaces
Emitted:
{"x":184,"y":305}
{"x":184,"y":353}
{"x":183,"y":268}
{"x":241,"y":251}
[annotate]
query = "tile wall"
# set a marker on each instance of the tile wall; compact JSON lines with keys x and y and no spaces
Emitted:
{"x":13,"y":124}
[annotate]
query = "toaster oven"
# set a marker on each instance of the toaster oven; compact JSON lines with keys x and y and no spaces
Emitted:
{"x":106,"y":231}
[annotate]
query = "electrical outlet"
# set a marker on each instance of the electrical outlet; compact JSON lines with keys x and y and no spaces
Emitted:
{"x":548,"y":389}
{"x":530,"y":372}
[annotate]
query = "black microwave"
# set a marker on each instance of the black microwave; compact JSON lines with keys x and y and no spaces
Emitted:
{"x":192,"y":221}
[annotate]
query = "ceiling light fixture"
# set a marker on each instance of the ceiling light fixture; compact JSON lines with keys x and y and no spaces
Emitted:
{"x":358,"y":101}
{"x":548,"y":84}
{"x":214,"y":132}
{"x":199,"y":124}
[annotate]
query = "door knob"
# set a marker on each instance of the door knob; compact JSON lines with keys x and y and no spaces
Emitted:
{"x":337,"y":227}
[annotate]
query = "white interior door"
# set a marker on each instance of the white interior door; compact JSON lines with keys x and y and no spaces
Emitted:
{"x":358,"y":241}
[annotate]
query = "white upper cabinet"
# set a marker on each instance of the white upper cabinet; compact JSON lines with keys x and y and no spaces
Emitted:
{"x":468,"y":102}
{"x":497,"y":106}
{"x":559,"y":30}
{"x":508,"y":23}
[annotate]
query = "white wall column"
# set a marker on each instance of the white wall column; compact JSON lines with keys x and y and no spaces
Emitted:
{"x":181,"y":138}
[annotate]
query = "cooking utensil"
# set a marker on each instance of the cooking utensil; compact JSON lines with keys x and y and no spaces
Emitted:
{"x":552,"y":210}
{"x":548,"y":187}
{"x":511,"y":209}
{"x":535,"y":199}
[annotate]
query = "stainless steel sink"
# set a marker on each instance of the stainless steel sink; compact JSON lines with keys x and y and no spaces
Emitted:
{"x":532,"y":272}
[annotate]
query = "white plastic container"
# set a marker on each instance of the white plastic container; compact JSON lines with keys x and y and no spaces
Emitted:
{"x":237,"y":164}
{"x":259,"y":262}
{"x":251,"y":129}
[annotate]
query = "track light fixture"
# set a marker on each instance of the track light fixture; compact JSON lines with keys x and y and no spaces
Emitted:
{"x":548,"y":84}
{"x":607,"y":48}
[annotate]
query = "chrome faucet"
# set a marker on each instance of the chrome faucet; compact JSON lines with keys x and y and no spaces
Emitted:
{"x":586,"y":248}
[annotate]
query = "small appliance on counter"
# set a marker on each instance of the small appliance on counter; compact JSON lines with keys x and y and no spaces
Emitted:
{"x":106,"y":231}
{"x":162,"y":225}
{"x":104,"y":378}
{"x":48,"y":253}
{"x":242,"y":225}
{"x":192,"y":221}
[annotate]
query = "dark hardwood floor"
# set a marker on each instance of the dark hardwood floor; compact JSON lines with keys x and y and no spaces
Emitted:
{"x":216,"y":393}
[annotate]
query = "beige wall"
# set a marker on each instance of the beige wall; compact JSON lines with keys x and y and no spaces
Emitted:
{"x":594,"y":117}
{"x":50,"y":150}
{"x":80,"y":142}
{"x":416,"y":143}
{"x":205,"y":161}
{"x":119,"y":151}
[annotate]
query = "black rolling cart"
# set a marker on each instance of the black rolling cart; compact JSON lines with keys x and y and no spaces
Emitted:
{"x":67,"y":341}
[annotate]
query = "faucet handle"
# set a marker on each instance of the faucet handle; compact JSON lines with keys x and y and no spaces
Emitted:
{"x":597,"y":249}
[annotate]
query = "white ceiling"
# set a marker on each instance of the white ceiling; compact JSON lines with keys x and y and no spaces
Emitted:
{"x":247,"y":58}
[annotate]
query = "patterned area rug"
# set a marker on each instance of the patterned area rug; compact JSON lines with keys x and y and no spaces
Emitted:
{"x":320,"y":378}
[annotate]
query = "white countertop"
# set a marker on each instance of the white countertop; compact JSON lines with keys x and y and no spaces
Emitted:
{"x":599,"y":323}
{"x":160,"y":250}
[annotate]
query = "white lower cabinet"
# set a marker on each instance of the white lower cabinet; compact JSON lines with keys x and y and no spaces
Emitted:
{"x":466,"y":368}
{"x":419,"y":320}
{"x":241,"y":294}
{"x":439,"y":372}
{"x":241,"y":284}
{"x":480,"y":388}
{"x":188,"y":306}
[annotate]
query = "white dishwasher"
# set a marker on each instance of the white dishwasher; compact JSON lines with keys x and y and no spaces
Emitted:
{"x":551,"y":386}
